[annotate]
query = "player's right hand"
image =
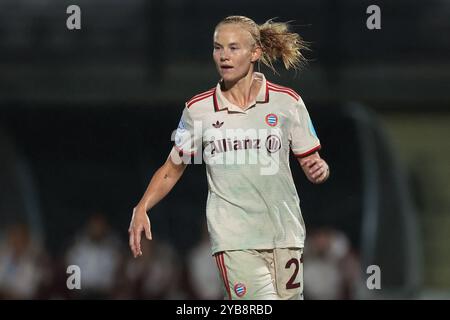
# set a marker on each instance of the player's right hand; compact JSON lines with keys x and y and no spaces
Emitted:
{"x":139,"y":222}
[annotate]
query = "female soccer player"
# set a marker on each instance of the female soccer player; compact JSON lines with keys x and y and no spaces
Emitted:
{"x":244,"y":129}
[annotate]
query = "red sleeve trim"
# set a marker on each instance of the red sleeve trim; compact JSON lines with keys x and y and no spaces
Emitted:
{"x":307,"y":153}
{"x":182,"y":153}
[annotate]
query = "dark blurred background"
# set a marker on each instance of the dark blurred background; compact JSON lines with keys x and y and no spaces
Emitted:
{"x":86,"y":118}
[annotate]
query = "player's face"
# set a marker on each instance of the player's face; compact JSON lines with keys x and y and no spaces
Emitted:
{"x":234,"y":52}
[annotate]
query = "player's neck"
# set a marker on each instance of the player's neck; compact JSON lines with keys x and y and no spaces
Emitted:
{"x":242,"y":92}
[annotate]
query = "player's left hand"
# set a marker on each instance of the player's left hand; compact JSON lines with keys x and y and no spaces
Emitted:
{"x":316,"y":170}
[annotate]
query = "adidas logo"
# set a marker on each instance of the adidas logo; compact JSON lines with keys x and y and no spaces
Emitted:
{"x":217,"y":124}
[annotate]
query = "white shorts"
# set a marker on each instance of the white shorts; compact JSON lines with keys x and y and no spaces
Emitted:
{"x":275,"y":274}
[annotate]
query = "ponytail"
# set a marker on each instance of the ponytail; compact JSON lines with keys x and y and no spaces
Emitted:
{"x":277,"y":42}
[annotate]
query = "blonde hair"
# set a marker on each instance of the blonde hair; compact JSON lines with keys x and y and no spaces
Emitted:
{"x":276,"y":41}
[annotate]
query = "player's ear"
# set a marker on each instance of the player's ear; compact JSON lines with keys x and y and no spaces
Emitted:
{"x":256,"y":53}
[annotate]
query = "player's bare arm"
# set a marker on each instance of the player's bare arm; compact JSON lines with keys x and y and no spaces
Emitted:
{"x":160,"y":185}
{"x":315,"y":168}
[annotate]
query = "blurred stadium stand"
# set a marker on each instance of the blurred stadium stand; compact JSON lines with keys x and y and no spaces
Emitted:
{"x":86,"y":118}
{"x":135,"y":51}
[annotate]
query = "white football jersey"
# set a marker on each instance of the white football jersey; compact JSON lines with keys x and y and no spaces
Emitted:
{"x":252,"y":200}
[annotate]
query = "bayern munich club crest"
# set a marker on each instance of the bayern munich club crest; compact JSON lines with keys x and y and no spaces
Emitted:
{"x":272,"y":119}
{"x":240,"y":289}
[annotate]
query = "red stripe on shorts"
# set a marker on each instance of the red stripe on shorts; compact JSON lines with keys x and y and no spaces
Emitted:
{"x":223,"y":272}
